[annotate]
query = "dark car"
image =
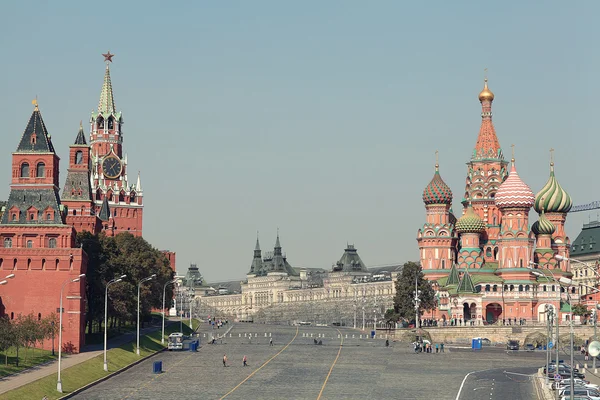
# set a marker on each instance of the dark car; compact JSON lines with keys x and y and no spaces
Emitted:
{"x":512,"y":345}
{"x":529,"y":347}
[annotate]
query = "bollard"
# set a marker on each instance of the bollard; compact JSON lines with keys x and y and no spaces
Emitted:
{"x":346,"y":336}
{"x":204,"y":335}
{"x":311,"y":333}
{"x":230,"y":335}
{"x":239,"y":335}
{"x":577,"y":366}
{"x":338,"y":336}
{"x":266,"y":332}
{"x":352,"y":336}
{"x":245,"y":333}
{"x":595,"y":370}
{"x":269,"y":334}
{"x":256,"y":335}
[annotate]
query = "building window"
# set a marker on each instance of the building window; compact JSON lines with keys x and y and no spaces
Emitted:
{"x":495,"y":288}
{"x":520,"y":288}
{"x":487,"y":289}
{"x":79,"y":157}
{"x":25,"y":170}
{"x":40,"y":170}
{"x":40,"y":316}
{"x":7,"y":243}
{"x":49,"y":217}
{"x":52,"y":243}
{"x":31,"y":216}
{"x":12,"y":315}
{"x":75,"y":213}
{"x":14,"y":217}
{"x":29,"y":244}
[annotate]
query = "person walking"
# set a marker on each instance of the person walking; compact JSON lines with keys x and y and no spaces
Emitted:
{"x":437,"y":348}
{"x":442,"y":347}
{"x":271,"y":342}
{"x":245,"y":360}
{"x":224,"y":360}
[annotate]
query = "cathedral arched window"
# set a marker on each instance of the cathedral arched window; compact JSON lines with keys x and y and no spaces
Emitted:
{"x":79,"y":157}
{"x":40,"y":170}
{"x":25,"y":170}
{"x":100,"y":123}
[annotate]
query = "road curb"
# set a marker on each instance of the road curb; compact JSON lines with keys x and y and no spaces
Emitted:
{"x":89,"y":385}
{"x":546,"y":394}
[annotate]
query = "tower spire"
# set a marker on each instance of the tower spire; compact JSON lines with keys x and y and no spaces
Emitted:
{"x":107,"y":101}
{"x":487,"y":146}
{"x":257,"y":247}
{"x":80,"y":138}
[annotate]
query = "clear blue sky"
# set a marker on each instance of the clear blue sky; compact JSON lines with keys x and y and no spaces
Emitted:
{"x":317,"y":117}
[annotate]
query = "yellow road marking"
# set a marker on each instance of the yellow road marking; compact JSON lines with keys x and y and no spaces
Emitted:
{"x":259,"y":368}
{"x":332,"y":365}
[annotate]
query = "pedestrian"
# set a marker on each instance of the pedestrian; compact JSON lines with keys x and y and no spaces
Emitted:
{"x":437,"y":348}
{"x":271,"y":342}
{"x":442,"y":347}
{"x":387,"y":342}
{"x":587,"y":356}
{"x":245,"y":360}
{"x":224,"y":360}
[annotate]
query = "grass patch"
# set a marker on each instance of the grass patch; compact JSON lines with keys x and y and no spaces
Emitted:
{"x":34,"y":357}
{"x":89,"y":371}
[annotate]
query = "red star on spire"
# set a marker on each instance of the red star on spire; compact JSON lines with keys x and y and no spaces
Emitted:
{"x":108,"y":57}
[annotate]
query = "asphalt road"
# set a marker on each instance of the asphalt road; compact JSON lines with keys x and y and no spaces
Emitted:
{"x":295,"y":368}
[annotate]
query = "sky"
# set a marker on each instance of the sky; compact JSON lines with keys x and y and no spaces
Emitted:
{"x":320,"y":118}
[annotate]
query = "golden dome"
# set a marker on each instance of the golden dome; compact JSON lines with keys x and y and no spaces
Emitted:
{"x":486,"y":94}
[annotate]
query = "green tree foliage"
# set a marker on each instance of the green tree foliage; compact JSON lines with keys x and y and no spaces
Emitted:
{"x":6,"y":336}
{"x":25,"y":331}
{"x":405,"y":287}
{"x":111,"y":257}
{"x":580,"y":309}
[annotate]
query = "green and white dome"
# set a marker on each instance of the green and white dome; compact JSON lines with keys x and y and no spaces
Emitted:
{"x":552,"y":198}
{"x":470,"y":222}
{"x":543,"y":226}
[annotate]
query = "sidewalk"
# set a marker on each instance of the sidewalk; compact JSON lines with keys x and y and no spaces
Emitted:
{"x":11,"y":382}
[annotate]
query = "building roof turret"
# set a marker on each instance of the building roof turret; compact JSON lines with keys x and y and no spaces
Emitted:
{"x":437,"y":192}
{"x":543,"y":226}
{"x":470,"y":222}
{"x":35,"y":138}
{"x":487,"y":146}
{"x":513,"y":192}
{"x":553,"y":198}
{"x":80,"y":139}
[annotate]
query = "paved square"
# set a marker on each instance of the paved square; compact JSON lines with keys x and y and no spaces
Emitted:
{"x":295,"y":368}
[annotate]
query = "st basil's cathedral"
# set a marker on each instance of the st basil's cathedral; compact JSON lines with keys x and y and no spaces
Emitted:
{"x":490,"y":265}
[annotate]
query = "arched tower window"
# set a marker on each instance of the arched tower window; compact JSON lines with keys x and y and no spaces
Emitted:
{"x":52,"y":243}
{"x":111,"y":123}
{"x":100,"y":123}
{"x":79,"y":157}
{"x":25,"y":170}
{"x":40,"y":171}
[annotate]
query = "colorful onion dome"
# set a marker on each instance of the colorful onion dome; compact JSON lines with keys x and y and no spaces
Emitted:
{"x":552,"y":198}
{"x":437,"y":192}
{"x":543,"y":226}
{"x":513,"y":192}
{"x":470,"y":222}
{"x":486,"y":94}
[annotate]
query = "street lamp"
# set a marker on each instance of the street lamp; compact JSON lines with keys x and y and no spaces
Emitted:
{"x":417,"y":302}
{"x":595,"y":317}
{"x":138,"y":310}
{"x":192,"y":293}
{"x":52,"y":325}
{"x":6,"y":278}
{"x":77,"y":279}
{"x":119,"y":279}
{"x":162,"y":340}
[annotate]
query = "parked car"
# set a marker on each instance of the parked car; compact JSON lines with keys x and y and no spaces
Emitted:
{"x":529,"y":347}
{"x":577,"y":381}
{"x":591,"y":393}
{"x":512,"y":345}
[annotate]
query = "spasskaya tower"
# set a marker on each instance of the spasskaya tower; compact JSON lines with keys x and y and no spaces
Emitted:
{"x":118,"y":201}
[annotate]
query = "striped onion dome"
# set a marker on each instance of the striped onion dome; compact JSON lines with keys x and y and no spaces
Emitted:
{"x":514,"y":193}
{"x":552,"y":198}
{"x":470,"y":222}
{"x":437,"y":192}
{"x":543,"y":226}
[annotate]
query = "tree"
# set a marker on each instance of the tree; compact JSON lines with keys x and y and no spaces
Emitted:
{"x":405,"y":288}
{"x":6,"y":336}
{"x":580,"y":309}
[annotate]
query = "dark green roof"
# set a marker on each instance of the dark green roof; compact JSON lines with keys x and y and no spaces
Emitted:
{"x":35,"y":138}
{"x":588,"y":240}
{"x":452,"y":276}
{"x":466,"y":284}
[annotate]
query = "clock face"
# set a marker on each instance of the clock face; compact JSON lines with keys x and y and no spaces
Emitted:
{"x":111,"y":166}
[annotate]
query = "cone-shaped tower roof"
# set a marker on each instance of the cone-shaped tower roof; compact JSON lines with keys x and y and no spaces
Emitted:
{"x":35,"y":138}
{"x":466,"y":283}
{"x":80,"y":138}
{"x":453,"y":276}
{"x":104,"y":214}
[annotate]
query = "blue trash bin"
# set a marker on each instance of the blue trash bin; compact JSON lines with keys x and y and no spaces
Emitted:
{"x":194,"y":346}
{"x":372,"y":334}
{"x":157,"y":367}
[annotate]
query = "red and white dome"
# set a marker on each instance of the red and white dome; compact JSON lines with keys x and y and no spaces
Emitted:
{"x":514,"y":193}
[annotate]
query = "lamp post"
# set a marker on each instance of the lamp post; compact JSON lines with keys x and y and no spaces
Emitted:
{"x":595,"y":316}
{"x":6,"y":278}
{"x":363,"y":310}
{"x":52,"y":325}
{"x":119,"y":279}
{"x":566,"y":281}
{"x":138,"y":310}
{"x":549,"y":318}
{"x":192,"y":293}
{"x":417,"y":302}
{"x":162,"y":340}
{"x":77,"y":279}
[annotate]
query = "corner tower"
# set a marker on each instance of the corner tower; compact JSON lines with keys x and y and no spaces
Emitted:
{"x":486,"y":172}
{"x":110,"y":177}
